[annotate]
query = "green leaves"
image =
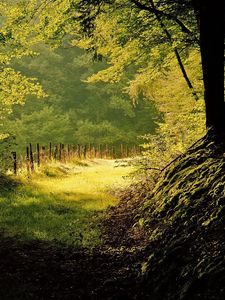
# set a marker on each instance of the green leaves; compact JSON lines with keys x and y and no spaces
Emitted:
{"x":16,"y":41}
{"x":15,"y":88}
{"x":75,"y":111}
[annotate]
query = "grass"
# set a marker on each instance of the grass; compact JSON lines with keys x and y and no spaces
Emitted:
{"x":61,"y":203}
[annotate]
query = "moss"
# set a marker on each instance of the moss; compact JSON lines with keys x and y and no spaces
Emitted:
{"x":185,"y":216}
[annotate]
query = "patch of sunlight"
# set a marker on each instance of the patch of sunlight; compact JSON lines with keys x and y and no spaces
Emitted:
{"x":40,"y":235}
{"x":92,"y":180}
{"x":64,"y":206}
{"x":25,"y":201}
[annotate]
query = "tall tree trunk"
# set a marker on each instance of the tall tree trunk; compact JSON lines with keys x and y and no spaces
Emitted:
{"x":211,"y":21}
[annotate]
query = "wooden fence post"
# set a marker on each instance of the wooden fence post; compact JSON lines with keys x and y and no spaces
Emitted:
{"x":68,"y":152}
{"x":85,"y":151}
{"x":63,"y":153}
{"x":78,"y":150}
{"x":100,"y":150}
{"x":38,"y":155}
{"x":60,"y":152}
{"x":14,"y":163}
{"x":31,"y":159}
{"x":55,"y":152}
{"x":109,"y":152}
{"x":127,"y":151}
{"x":89,"y":150}
{"x":95,"y":151}
{"x":50,"y":151}
{"x":42,"y":153}
{"x":113,"y":152}
{"x":73,"y":151}
{"x":27,"y":160}
{"x":106,"y":151}
{"x":121,"y":150}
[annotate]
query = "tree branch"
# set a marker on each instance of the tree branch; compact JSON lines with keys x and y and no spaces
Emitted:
{"x":154,"y":10}
{"x":168,"y":35}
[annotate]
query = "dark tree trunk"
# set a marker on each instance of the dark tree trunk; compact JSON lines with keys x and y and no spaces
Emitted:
{"x":211,"y":22}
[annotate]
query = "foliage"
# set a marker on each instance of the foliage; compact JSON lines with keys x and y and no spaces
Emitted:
{"x":127,"y":33}
{"x":40,"y":126}
{"x":152,"y":37}
{"x":15,"y":88}
{"x":137,"y":50}
{"x":184,"y":118}
{"x":7,"y":145}
{"x":76,"y":112}
{"x":15,"y":42}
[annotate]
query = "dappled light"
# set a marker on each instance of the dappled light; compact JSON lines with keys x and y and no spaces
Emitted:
{"x":65,"y":208}
{"x":112,"y":150}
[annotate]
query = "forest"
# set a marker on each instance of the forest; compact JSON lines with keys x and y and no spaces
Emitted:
{"x":112,"y":141}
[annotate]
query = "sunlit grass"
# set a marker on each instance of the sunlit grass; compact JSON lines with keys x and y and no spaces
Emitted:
{"x":62,"y":203}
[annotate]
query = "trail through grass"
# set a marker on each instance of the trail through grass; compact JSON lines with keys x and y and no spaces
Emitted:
{"x":62,"y":203}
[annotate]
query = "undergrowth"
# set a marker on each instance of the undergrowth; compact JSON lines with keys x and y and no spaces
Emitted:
{"x":176,"y":228}
{"x":185,"y":219}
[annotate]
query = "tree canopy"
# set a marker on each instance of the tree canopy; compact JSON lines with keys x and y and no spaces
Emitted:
{"x":156,"y":25}
{"x":74,"y":111}
{"x":139,"y":40}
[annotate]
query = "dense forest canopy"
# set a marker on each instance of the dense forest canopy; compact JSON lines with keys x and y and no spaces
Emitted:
{"x":74,"y":111}
{"x":71,"y":110}
{"x":147,"y":45}
{"x":181,"y":25}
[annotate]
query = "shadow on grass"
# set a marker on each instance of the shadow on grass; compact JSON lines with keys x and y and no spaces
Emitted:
{"x":47,"y":248}
{"x":7,"y":184}
{"x":45,"y":270}
{"x":69,"y":218}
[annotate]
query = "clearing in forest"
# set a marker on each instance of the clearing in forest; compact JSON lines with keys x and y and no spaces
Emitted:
{"x":62,"y":203}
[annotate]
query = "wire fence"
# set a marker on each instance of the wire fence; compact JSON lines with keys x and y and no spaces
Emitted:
{"x":37,"y":155}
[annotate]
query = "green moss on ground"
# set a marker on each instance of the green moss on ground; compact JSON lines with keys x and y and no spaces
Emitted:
{"x":185,"y":219}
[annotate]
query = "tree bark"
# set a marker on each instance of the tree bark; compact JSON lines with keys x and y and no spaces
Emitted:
{"x":211,"y":22}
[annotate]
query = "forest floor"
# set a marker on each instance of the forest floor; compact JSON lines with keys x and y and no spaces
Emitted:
{"x":158,"y":242}
{"x":52,"y":245}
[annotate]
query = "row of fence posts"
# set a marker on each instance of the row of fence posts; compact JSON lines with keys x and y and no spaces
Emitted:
{"x":67,"y":153}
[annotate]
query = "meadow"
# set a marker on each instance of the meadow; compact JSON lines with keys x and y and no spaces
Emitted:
{"x":61,"y":203}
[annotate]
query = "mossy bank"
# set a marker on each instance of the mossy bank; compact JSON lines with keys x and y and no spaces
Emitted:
{"x":185,"y":220}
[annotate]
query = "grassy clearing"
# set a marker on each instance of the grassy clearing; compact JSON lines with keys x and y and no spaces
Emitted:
{"x":61,"y":203}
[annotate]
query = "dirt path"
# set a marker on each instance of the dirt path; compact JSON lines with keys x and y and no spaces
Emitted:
{"x":46,"y":271}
